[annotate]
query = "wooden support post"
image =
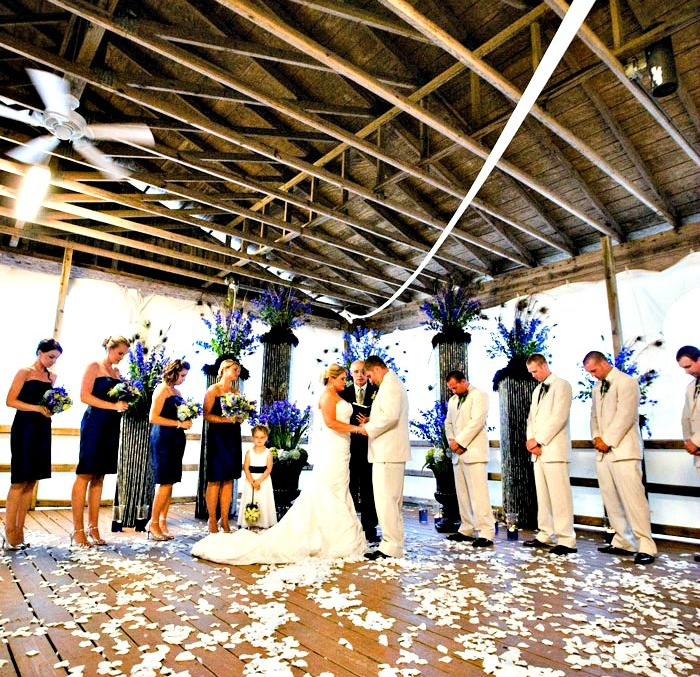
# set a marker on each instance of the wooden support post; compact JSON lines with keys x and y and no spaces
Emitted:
{"x":611,"y":289}
{"x":62,"y":291}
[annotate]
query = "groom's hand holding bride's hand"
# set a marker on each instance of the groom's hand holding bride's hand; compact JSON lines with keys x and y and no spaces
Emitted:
{"x":361,"y":428}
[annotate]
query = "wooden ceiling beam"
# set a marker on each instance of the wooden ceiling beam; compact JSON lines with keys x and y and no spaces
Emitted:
{"x":510,"y":239}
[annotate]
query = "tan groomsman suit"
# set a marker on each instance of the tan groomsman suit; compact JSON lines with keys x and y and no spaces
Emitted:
{"x":548,"y":423}
{"x":690,"y":419}
{"x":465,"y":422}
{"x":615,"y":419}
{"x":388,"y":450}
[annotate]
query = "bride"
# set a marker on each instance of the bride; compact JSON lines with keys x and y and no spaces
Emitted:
{"x":322,"y":522}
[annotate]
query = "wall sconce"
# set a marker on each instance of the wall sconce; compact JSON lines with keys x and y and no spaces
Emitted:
{"x":658,"y":62}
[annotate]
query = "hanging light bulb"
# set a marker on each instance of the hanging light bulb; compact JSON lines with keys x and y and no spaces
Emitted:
{"x":32,"y":193}
{"x":662,"y":68}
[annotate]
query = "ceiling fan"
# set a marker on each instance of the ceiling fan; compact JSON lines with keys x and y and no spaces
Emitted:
{"x":63,"y":123}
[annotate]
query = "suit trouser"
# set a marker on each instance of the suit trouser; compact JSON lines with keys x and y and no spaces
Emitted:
{"x":628,"y":510}
{"x":555,"y":504}
{"x":362,"y":490}
{"x":387,"y":479}
{"x":475,"y":514}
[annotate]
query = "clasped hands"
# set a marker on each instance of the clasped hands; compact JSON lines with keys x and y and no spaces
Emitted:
{"x":692,"y":448}
{"x":361,"y":428}
{"x":601,"y":446}
{"x":456,"y":446}
{"x":534,"y":447}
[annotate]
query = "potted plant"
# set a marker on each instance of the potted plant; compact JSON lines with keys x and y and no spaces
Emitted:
{"x":438,"y":458}
{"x":287,"y":424}
{"x":528,"y":334}
{"x":282,"y":310}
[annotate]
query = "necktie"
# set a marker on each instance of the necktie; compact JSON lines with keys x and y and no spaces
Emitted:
{"x":543,"y":391}
{"x":461,"y":397}
{"x":697,"y":388}
{"x":361,"y":395}
{"x":604,"y":387}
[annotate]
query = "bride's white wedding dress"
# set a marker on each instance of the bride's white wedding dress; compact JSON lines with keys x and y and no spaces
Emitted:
{"x":322,"y":522}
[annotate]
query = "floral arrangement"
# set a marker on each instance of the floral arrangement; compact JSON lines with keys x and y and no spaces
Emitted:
{"x":282,"y":310}
{"x":449,"y":312}
{"x":56,"y":400}
{"x":189,"y":410}
{"x":287,"y":424}
{"x":251,"y":513}
{"x":528,"y":334}
{"x":237,"y":405}
{"x":289,"y":456}
{"x":627,"y":361}
{"x":363,"y":342}
{"x":145,"y":371}
{"x":431,"y":427}
{"x":230,"y":333}
{"x":125,"y":391}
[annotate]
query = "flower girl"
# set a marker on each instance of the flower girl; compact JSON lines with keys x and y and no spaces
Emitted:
{"x":257,"y":508}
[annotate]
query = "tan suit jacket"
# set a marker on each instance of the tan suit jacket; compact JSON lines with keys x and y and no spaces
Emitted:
{"x":387,"y":428}
{"x":690,"y":419}
{"x":467,"y":425}
{"x":548,"y":420}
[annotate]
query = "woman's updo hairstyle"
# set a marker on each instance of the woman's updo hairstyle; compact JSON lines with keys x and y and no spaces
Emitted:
{"x":172,"y":370}
{"x":225,"y":365}
{"x":332,"y":371}
{"x":47,"y":345}
{"x":114,"y":341}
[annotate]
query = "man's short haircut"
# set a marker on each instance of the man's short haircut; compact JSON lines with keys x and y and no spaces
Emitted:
{"x":595,"y":356}
{"x":536,"y":358}
{"x":374,"y":361}
{"x":455,"y":374}
{"x":691,"y":352}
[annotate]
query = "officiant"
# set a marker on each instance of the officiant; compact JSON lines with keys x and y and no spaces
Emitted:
{"x":361,"y":394}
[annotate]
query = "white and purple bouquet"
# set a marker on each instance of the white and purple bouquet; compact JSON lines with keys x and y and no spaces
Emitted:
{"x":125,"y":391}
{"x":56,"y":400}
{"x":189,"y":410}
{"x":233,"y":405}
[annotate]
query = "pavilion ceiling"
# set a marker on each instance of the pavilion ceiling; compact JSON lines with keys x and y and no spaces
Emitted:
{"x":325,"y":144}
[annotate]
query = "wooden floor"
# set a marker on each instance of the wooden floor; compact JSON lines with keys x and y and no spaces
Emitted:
{"x":144,"y":608}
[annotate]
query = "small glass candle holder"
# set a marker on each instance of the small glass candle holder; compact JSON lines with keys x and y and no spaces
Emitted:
{"x":512,"y":526}
{"x":496,"y":516}
{"x":423,"y":514}
{"x":437,"y":512}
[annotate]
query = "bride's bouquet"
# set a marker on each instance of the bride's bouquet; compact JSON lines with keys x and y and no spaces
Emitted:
{"x":56,"y":400}
{"x":189,"y":410}
{"x":238,"y":406}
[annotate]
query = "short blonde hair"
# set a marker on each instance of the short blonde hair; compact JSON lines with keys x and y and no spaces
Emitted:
{"x":333,"y":371}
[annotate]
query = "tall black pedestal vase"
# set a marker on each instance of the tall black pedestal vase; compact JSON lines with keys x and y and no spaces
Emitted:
{"x":518,"y":478}
{"x":135,"y":481}
{"x":446,"y":496}
{"x":452,"y":354}
{"x":276,"y":376}
{"x":285,"y":485}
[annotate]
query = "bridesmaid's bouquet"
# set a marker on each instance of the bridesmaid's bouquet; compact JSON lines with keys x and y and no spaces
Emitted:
{"x":56,"y":400}
{"x":125,"y":391}
{"x":237,"y":405}
{"x":189,"y":410}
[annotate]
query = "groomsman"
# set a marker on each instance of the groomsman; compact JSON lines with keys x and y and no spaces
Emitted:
{"x":549,"y":444}
{"x":465,"y":427}
{"x":688,"y":358}
{"x":360,"y":394}
{"x":389,"y":449}
{"x":618,"y":440}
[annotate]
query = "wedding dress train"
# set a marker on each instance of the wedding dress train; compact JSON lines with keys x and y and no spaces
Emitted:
{"x":322,"y":522}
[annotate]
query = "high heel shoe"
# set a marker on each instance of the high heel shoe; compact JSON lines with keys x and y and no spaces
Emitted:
{"x":6,"y":545}
{"x":152,"y":534}
{"x":74,"y":539}
{"x":96,"y":540}
{"x":164,"y":530}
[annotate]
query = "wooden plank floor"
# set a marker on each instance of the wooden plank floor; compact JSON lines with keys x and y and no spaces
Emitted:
{"x":137,"y":607}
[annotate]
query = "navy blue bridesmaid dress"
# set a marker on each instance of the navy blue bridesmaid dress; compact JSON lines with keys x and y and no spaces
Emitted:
{"x":30,"y":437}
{"x":224,"y":448}
{"x":99,"y":433}
{"x":168,"y":445}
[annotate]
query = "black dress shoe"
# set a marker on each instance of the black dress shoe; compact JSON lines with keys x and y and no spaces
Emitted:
{"x":612,"y":550}
{"x":482,"y":543}
{"x":534,"y":543}
{"x":377,"y":554}
{"x":644,"y":558}
{"x":562,"y":550}
{"x":460,"y":538}
{"x":371,"y":536}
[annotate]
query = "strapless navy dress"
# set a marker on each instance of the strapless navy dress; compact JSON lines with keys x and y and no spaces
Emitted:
{"x":99,"y":433}
{"x":224,"y":448}
{"x":30,"y":437}
{"x":168,"y":445}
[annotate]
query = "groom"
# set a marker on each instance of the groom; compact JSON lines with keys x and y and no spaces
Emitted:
{"x":389,"y":449}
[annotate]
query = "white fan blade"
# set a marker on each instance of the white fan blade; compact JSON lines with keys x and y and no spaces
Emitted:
{"x":99,"y":159}
{"x":19,"y":115}
{"x":53,"y":90}
{"x":140,"y":134}
{"x":34,"y":151}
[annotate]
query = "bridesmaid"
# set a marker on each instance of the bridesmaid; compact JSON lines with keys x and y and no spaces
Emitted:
{"x":224,"y":449}
{"x":99,"y":439}
{"x":30,"y":438}
{"x":167,"y":444}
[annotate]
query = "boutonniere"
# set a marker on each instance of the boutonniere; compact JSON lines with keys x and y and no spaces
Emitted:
{"x":374,"y":394}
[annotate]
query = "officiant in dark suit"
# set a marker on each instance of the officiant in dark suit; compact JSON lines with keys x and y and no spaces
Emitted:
{"x":361,"y":392}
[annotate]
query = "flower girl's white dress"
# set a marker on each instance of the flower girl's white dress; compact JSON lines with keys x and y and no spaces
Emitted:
{"x":321,"y":523}
{"x":264,"y":497}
